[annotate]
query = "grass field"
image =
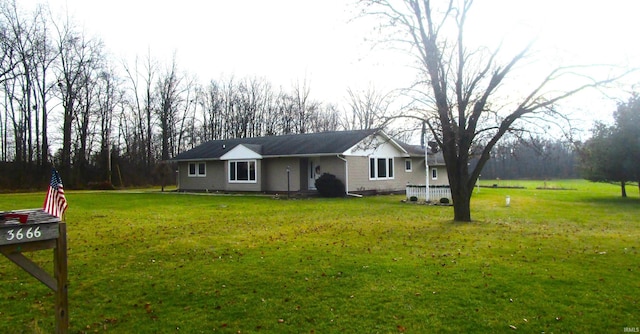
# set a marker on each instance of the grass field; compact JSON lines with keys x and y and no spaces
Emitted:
{"x":554,"y":261}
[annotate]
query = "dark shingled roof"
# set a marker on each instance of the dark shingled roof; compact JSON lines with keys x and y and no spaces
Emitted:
{"x":435,"y":159}
{"x":413,"y":150}
{"x":287,"y":145}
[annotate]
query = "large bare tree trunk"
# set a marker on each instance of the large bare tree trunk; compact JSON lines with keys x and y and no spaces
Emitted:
{"x":461,"y":196}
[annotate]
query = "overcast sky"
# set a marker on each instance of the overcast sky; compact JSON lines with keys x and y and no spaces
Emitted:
{"x":290,"y":40}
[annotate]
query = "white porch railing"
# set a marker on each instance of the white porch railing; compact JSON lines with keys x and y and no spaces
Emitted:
{"x":435,"y":192}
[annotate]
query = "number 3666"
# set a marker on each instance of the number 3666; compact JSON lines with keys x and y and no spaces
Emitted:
{"x":30,"y":233}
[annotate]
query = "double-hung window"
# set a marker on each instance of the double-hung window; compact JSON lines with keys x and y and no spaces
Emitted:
{"x":407,"y":165}
{"x":434,"y":173}
{"x":380,"y":168}
{"x":197,"y":169}
{"x":242,"y":171}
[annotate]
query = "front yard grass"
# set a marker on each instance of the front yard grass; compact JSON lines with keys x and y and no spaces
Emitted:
{"x":554,"y":261}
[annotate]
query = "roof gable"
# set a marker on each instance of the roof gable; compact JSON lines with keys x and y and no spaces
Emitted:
{"x":243,"y":151}
{"x":379,"y":144}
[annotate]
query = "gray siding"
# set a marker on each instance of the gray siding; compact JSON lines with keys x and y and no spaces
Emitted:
{"x":359,"y":176}
{"x":403,"y":176}
{"x":418,"y":176}
{"x":213,"y":181}
{"x":443,"y":177}
{"x":275,"y":171}
{"x":216,"y":178}
{"x":333,"y":165}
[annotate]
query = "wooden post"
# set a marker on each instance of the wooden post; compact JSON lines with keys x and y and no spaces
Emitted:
{"x":61,"y":275}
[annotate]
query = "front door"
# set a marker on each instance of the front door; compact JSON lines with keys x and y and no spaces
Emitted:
{"x":314,"y":172}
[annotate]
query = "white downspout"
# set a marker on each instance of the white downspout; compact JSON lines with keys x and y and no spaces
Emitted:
{"x":346,"y":176}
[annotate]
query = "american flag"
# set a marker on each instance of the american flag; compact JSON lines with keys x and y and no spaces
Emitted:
{"x":55,"y":203}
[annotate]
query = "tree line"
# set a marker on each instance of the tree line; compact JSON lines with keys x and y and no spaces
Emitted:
{"x":100,"y":122}
{"x":532,"y":158}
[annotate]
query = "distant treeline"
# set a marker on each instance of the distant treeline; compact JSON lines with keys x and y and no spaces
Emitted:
{"x":536,"y":158}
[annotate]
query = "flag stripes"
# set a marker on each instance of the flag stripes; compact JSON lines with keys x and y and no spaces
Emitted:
{"x":55,"y":203}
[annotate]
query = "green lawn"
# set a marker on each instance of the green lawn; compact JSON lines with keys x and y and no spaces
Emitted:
{"x":554,"y":261}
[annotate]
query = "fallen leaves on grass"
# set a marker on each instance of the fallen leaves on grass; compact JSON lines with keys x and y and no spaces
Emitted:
{"x":147,"y":307}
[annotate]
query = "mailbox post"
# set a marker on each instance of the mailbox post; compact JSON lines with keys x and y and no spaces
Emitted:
{"x":34,"y":230}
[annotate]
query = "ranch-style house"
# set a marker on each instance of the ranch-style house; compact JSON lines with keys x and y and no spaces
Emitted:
{"x":366,"y":161}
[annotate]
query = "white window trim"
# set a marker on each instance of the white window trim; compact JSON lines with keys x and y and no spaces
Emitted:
{"x":434,"y":173}
{"x":197,"y":169}
{"x":410,"y":169}
{"x":255,"y":165}
{"x":375,"y":166}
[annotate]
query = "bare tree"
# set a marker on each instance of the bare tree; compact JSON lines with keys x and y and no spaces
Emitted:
{"x":188,"y":131}
{"x":211,"y":102}
{"x":249,"y":97}
{"x":286,"y":108}
{"x":44,"y":56}
{"x":169,"y":98}
{"x":109,"y":96}
{"x":78,"y":59}
{"x":369,"y":109}
{"x":19,"y":35}
{"x":458,"y":86}
{"x":302,"y":105}
{"x":230,"y":108}
{"x":325,"y":118}
{"x":270,"y":117}
{"x":87,"y":113}
{"x":141,"y":79}
{"x":9,"y":57}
